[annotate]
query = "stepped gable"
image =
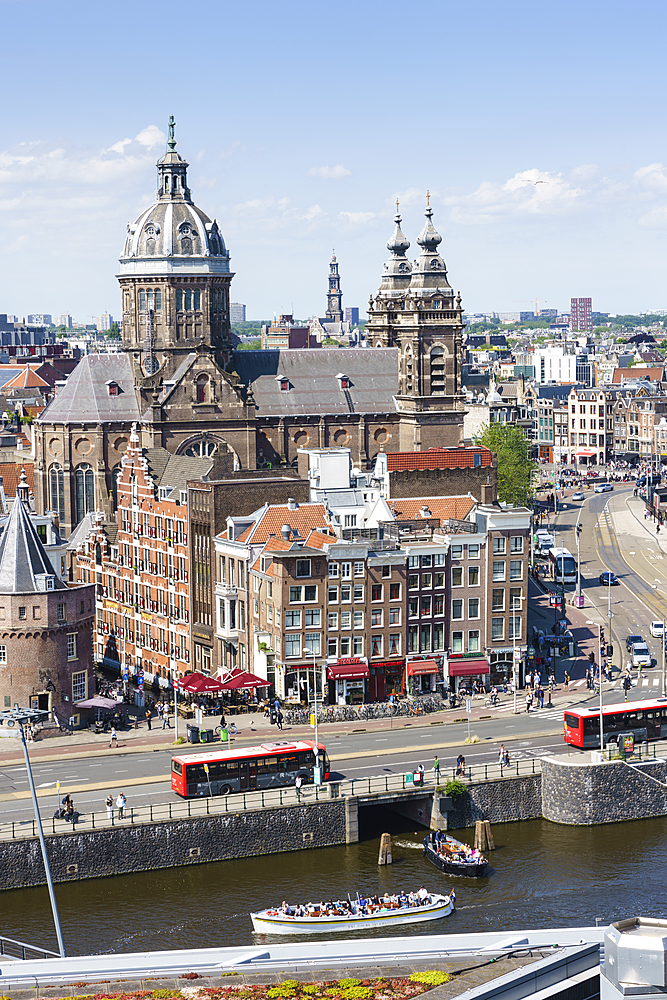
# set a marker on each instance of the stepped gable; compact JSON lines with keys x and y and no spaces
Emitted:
{"x":86,"y":397}
{"x":23,"y":558}
{"x":314,"y":385}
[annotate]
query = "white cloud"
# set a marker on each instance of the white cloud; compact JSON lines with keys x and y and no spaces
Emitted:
{"x":151,"y":136}
{"x":330,"y":173}
{"x":358,"y":217}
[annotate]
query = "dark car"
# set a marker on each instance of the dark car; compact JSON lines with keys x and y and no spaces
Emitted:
{"x":631,"y":640}
{"x":609,"y":580}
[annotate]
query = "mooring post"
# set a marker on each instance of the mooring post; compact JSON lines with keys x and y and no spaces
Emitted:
{"x":384,"y":857}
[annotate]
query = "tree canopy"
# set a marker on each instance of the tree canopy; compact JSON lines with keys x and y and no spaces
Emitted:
{"x":515,"y":468}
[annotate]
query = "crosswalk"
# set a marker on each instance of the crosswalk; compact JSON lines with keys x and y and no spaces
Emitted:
{"x":641,"y":682}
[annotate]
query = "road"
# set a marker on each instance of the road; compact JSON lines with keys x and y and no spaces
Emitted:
{"x":635,"y":558}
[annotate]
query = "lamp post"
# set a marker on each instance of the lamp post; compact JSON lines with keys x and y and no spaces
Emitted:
{"x":600,"y":683}
{"x":317,"y":777}
{"x":662,"y":639}
{"x":18,"y":717}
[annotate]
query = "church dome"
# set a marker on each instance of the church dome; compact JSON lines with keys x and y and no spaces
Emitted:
{"x":173,"y":234}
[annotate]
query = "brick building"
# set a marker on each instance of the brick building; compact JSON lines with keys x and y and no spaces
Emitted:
{"x":46,"y":658}
{"x":436,"y":472}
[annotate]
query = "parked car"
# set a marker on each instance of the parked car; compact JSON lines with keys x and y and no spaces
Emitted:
{"x":641,"y":655}
{"x":577,"y":496}
{"x":657,"y":629}
{"x":603,"y":487}
{"x":631,"y":640}
{"x":609,"y":579}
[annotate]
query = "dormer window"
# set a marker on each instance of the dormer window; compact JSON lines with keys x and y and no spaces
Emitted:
{"x":113,"y":388}
{"x":437,"y":304}
{"x":343,"y":381}
{"x":283,"y":382}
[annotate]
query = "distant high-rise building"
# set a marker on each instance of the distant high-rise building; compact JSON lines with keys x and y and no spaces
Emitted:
{"x":352,"y":315}
{"x":104,"y":322}
{"x":64,"y":320}
{"x":581,"y":315}
{"x":39,"y":319}
{"x":334,"y":295}
{"x":236,"y":312}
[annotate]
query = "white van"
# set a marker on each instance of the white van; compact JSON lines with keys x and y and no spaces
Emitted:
{"x":657,"y":629}
{"x":641,"y":656}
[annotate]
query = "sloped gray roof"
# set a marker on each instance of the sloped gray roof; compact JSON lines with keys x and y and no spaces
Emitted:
{"x":22,"y":555}
{"x":173,"y":471}
{"x":81,"y":532}
{"x":85,"y":396}
{"x":314,"y":388}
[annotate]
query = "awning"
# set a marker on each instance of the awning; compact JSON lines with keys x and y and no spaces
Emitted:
{"x":586,"y":451}
{"x":468,"y":668}
{"x":348,"y":671}
{"x":199,"y":684}
{"x":244,"y":680}
{"x":98,"y":702}
{"x":416,"y":667}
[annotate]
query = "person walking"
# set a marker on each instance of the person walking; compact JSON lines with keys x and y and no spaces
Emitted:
{"x":567,"y":681}
{"x":460,"y":765}
{"x":109,"y":804}
{"x":279,"y":720}
{"x":149,"y":716}
{"x":160,"y":709}
{"x":436,"y":770}
{"x":297,"y":784}
{"x":540,"y":695}
{"x":120,"y":805}
{"x":529,"y":700}
{"x":166,"y":724}
{"x":113,"y":739}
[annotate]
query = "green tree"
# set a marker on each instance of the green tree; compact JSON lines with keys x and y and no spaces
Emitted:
{"x":113,"y":333}
{"x":515,"y":468}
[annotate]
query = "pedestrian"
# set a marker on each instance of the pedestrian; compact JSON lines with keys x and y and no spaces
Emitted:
{"x":109,"y":804}
{"x":436,"y":769}
{"x":420,"y":771}
{"x":120,"y":805}
{"x":279,"y":720}
{"x":148,"y":718}
{"x":567,"y":681}
{"x":165,"y":718}
{"x":529,"y":701}
{"x":160,"y":709}
{"x":501,"y":755}
{"x":113,"y":739}
{"x":460,"y":765}
{"x":540,"y":694}
{"x":298,"y":783}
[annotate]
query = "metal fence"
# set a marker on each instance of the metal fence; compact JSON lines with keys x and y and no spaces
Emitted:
{"x":19,"y":949}
{"x":268,"y":798}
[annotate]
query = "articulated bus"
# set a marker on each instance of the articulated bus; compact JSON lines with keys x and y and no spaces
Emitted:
{"x":270,"y":765}
{"x":645,"y":720}
{"x":563,"y":566}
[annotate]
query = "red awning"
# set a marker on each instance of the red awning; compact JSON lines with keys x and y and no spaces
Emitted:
{"x":244,"y":680}
{"x":468,"y":668}
{"x":356,"y":670}
{"x":587,"y":451}
{"x":199,"y":684}
{"x":416,"y":667}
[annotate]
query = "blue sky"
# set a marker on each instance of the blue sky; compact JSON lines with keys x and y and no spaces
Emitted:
{"x":302,"y":123}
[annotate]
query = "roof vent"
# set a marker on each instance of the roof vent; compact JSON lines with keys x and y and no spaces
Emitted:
{"x":292,"y":504}
{"x":424,"y":512}
{"x":286,"y":531}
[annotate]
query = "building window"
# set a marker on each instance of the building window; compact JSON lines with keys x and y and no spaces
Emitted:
{"x":358,"y":569}
{"x":413,"y":607}
{"x":473,"y":607}
{"x":427,"y":604}
{"x":312,"y":641}
{"x":3,"y":654}
{"x":346,"y":570}
{"x":332,"y":648}
{"x":311,"y":617}
{"x":499,"y":546}
{"x":332,"y":621}
{"x":358,"y":619}
{"x":302,"y":595}
{"x":292,"y":645}
{"x":345,"y":645}
{"x":456,"y":551}
{"x":22,"y":613}
{"x":516,"y":599}
{"x":498,"y":599}
{"x":457,"y":576}
{"x":498,"y":572}
{"x":473,"y":641}
{"x":427,"y":581}
{"x":516,"y":569}
{"x":292,"y":619}
{"x":333,"y":595}
{"x":79,"y":687}
{"x":386,"y":571}
{"x":413,"y":639}
{"x":376,"y":616}
{"x":473,"y":576}
{"x":425,"y":639}
{"x":394,"y":616}
{"x":473,"y":550}
{"x":376,"y":592}
{"x":394,"y":591}
{"x":457,"y":642}
{"x":427,"y":561}
{"x":413,"y":562}
{"x":333,"y":570}
{"x":71,"y":646}
{"x":413,"y":581}
{"x":457,"y":609}
{"x":302,"y":567}
{"x":516,"y":543}
{"x":394,"y":645}
{"x":497,"y":628}
{"x":376,"y":645}
{"x":57,"y":491}
{"x":345,"y":594}
{"x":514,"y":627}
{"x":346,"y":619}
{"x":84,"y":488}
{"x":358,"y":593}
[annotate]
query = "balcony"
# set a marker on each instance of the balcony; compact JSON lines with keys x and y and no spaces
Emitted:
{"x":223,"y":590}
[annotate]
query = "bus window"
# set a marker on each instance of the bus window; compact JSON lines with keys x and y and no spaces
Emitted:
{"x":176,"y":767}
{"x":267,"y":765}
{"x":572,"y":720}
{"x":306,"y":759}
{"x":291,"y":762}
{"x":195,"y":774}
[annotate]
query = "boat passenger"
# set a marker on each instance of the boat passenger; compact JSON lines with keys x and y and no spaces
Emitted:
{"x":403,"y":899}
{"x":413,"y":899}
{"x":424,"y":897}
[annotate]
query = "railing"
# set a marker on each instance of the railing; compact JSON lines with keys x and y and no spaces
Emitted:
{"x":253,"y":801}
{"x":19,"y":949}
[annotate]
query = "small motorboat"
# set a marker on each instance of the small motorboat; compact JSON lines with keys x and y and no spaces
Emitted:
{"x":353,"y":915}
{"x":453,"y":857}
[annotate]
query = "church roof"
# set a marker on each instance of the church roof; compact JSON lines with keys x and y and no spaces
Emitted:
{"x":314,"y":386}
{"x":22,"y":556}
{"x":85,"y":396}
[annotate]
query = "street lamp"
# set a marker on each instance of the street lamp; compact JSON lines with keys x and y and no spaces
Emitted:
{"x":19,"y":716}
{"x":600,"y":682}
{"x":317,"y":776}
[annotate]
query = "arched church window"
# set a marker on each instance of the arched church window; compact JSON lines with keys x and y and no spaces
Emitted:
{"x":437,"y":370}
{"x":158,"y":301}
{"x":196,"y":300}
{"x":202,"y":389}
{"x":179,"y":299}
{"x":201,"y":449}
{"x":188,"y":301}
{"x":84,"y":489}
{"x":166,"y":184}
{"x":57,"y":491}
{"x":186,"y":245}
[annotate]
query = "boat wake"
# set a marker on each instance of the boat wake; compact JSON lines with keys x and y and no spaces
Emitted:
{"x":409,"y":845}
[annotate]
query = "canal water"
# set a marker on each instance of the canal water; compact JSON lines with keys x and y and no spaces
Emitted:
{"x":541,"y":875}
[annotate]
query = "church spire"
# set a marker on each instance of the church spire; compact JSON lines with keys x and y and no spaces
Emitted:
{"x":25,"y":567}
{"x":334,"y":295}
{"x":398,"y":244}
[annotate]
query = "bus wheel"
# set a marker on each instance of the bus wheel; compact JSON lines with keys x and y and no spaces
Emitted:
{"x":225,"y":790}
{"x":305,"y":778}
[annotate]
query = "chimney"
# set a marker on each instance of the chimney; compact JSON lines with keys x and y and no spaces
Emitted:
{"x":424,"y":512}
{"x":488,"y":493}
{"x":291,"y":503}
{"x":286,"y":531}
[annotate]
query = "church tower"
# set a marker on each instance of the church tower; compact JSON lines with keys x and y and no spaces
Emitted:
{"x":334,"y":295}
{"x":174,"y":278}
{"x":416,"y":311}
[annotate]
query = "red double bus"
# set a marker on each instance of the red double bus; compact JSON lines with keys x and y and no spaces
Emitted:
{"x":645,"y":720}
{"x":269,"y":765}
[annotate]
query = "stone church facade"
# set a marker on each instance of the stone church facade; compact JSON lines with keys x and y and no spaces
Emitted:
{"x":180,"y":379}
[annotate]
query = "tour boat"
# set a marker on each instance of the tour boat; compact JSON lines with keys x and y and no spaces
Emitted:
{"x":454,"y":858}
{"x":275,"y":921}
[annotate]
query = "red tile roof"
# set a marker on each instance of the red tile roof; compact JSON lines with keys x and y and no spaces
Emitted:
{"x":303,"y":518}
{"x":11,"y":474}
{"x":440,"y":507}
{"x":437,"y":458}
{"x":653,"y":374}
{"x":27,"y":379}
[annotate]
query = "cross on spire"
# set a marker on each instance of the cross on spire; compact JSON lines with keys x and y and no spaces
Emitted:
{"x":172,"y":142}
{"x":428,"y":199}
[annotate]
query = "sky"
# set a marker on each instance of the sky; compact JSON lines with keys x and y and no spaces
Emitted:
{"x":538,"y":128}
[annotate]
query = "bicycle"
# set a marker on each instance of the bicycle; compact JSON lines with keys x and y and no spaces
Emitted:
{"x":231,"y":729}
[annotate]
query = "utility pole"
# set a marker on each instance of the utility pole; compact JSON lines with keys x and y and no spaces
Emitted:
{"x":578,"y":567}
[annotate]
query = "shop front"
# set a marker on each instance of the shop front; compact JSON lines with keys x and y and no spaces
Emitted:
{"x":385,"y":679}
{"x":502,"y":663}
{"x":348,"y":678}
{"x":588,"y":456}
{"x":300,"y":683}
{"x":422,"y":676}
{"x":466,"y":670}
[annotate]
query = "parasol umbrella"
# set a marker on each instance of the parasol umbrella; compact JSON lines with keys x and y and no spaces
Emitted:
{"x":244,"y":680}
{"x":98,"y":702}
{"x":199,"y":684}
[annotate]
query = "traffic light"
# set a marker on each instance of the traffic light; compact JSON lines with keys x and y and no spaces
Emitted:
{"x":610,"y":649}
{"x":591,"y":658}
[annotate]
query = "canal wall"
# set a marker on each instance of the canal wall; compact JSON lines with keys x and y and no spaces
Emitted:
{"x":503,"y":801}
{"x":577,"y":793}
{"x":128,"y":848}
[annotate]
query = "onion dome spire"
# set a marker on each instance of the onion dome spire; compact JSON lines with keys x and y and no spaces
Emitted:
{"x":429,"y":238}
{"x":398,"y":244}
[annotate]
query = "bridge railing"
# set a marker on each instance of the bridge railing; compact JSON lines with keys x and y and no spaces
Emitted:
{"x":19,"y":949}
{"x":220,"y":805}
